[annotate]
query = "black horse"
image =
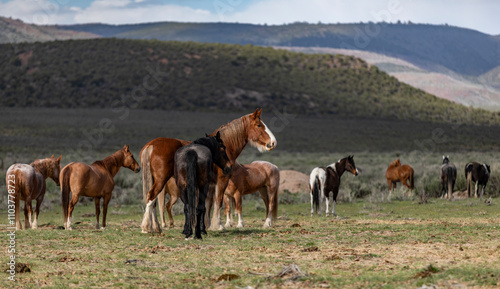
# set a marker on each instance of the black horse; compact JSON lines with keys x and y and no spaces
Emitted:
{"x":448,"y":178}
{"x":479,"y":174}
{"x":194,"y":172}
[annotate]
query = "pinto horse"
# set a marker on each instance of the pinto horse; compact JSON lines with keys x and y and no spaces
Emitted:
{"x":29,"y":184}
{"x":399,"y":173}
{"x":448,"y":175}
{"x":246,"y":179}
{"x":322,"y":181}
{"x":157,"y":159}
{"x":479,"y":174}
{"x":193,"y":173}
{"x":95,"y":181}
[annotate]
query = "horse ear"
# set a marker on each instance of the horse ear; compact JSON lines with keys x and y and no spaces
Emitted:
{"x":126,"y":148}
{"x":52,"y":157}
{"x":255,"y":114}
{"x":218,"y":135}
{"x":59,"y":158}
{"x":443,"y":157}
{"x":206,"y":135}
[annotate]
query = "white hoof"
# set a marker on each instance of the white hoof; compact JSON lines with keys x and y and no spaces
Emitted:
{"x":103,"y":228}
{"x":240,"y":225}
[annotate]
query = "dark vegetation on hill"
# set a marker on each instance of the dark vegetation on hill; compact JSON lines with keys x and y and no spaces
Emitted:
{"x":433,"y":47}
{"x":111,"y":73}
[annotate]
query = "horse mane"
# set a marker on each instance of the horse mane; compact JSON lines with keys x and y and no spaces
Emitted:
{"x":394,"y":163}
{"x":42,"y":165}
{"x":232,"y":134}
{"x":110,"y":161}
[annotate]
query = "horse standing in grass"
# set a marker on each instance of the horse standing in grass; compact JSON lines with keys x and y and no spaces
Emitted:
{"x":323,"y":180}
{"x":28,"y":183}
{"x":448,"y":177}
{"x":157,"y":159}
{"x":399,"y":173}
{"x":479,"y":174}
{"x":95,"y":181}
{"x":246,"y":179}
{"x":193,"y":172}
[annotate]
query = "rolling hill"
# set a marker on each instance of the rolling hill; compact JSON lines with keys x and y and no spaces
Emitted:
{"x":16,"y":31}
{"x":148,"y":74}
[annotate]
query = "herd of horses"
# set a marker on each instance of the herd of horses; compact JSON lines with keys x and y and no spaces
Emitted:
{"x":203,"y":174}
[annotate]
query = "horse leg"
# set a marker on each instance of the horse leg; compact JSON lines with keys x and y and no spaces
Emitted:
{"x":173,"y":199}
{"x":107,"y":198}
{"x":37,"y":211}
{"x":27,"y":214}
{"x":270,"y":207}
{"x":161,"y":205}
{"x":200,"y":212}
{"x":97,"y":201}
{"x":227,"y":211}
{"x":150,"y":222}
{"x":476,"y":190}
{"x":237,"y":209}
{"x":327,"y":203}
{"x":208,"y":204}
{"x":220,"y":188}
{"x":482,"y":191}
{"x":335,"y":194}
{"x":72,"y":203}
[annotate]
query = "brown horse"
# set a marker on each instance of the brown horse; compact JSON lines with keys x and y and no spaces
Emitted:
{"x":95,"y":181}
{"x":399,"y":173}
{"x":479,"y":174}
{"x":27,"y":183}
{"x":157,"y":159}
{"x":246,"y":179}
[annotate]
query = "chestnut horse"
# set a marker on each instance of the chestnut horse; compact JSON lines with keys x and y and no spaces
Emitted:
{"x":95,"y":181}
{"x":322,"y":181}
{"x":479,"y":174}
{"x":193,"y":173}
{"x":448,"y":175}
{"x":27,"y":183}
{"x":157,"y":159}
{"x":399,"y":173}
{"x":246,"y":179}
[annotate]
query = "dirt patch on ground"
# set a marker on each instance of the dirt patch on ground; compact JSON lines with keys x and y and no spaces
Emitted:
{"x":293,"y":182}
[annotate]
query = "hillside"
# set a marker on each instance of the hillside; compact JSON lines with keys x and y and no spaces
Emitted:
{"x":15,"y":31}
{"x":450,"y":86}
{"x":434,"y":47}
{"x":114,"y":73}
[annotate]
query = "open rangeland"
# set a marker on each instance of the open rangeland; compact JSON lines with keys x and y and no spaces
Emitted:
{"x":400,"y":244}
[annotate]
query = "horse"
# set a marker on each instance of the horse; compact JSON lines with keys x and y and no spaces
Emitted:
{"x":193,"y":173}
{"x":29,"y":184}
{"x":448,"y":175}
{"x":157,"y":159}
{"x":399,"y":173}
{"x":323,"y":180}
{"x":246,"y":179}
{"x":95,"y":181}
{"x":479,"y":174}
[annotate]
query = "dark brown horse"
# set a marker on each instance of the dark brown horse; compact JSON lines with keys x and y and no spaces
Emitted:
{"x":448,"y":175}
{"x":193,"y":172}
{"x":246,"y":179}
{"x":27,"y":183}
{"x":322,"y":181}
{"x":95,"y":181}
{"x":157,"y":159}
{"x":399,"y":173}
{"x":479,"y":174}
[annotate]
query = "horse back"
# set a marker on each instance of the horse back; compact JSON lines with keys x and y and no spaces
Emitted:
{"x":89,"y":179}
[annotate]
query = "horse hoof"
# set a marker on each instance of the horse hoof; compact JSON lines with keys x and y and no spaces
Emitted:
{"x":103,"y":228}
{"x":204,"y":232}
{"x":144,"y":232}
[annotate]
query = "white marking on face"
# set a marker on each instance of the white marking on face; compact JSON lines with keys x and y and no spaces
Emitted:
{"x":271,"y":135}
{"x":486,"y":169}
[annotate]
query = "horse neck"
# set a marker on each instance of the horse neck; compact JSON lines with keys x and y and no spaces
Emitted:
{"x":234,"y":135}
{"x":113,"y":163}
{"x":43,"y":167}
{"x":338,"y":168}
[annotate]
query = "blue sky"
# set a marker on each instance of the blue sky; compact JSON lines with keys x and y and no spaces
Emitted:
{"x":479,"y":15}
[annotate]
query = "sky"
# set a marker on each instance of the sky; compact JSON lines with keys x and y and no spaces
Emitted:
{"x":481,"y":15}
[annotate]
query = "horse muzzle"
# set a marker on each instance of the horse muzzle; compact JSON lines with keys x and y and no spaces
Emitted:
{"x":271,"y":145}
{"x":138,"y":169}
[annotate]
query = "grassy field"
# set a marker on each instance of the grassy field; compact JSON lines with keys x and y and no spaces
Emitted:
{"x":377,"y":242}
{"x":371,"y":245}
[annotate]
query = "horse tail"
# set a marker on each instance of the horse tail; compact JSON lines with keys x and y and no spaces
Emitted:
{"x":147,"y":177}
{"x":315,"y":191}
{"x":191,"y":165}
{"x":65,"y":190}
